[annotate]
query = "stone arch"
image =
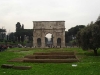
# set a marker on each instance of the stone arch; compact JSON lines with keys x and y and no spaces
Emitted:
{"x":58,"y":41}
{"x":56,"y":28}
{"x":49,"y":40}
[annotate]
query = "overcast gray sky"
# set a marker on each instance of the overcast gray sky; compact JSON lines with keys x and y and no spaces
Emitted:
{"x":74,"y":12}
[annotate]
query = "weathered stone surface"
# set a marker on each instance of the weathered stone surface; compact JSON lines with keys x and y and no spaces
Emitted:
{"x":50,"y":56}
{"x":7,"y":66}
{"x":51,"y":60}
{"x":56,"y":28}
{"x":55,"y":53}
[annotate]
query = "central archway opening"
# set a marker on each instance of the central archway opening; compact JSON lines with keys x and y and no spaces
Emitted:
{"x":49,"y":40}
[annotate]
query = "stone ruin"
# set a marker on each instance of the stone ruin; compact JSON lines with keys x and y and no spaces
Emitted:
{"x":41,"y":28}
{"x":49,"y":57}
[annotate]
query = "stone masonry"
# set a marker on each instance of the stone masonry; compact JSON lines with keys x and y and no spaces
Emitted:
{"x":41,"y":28}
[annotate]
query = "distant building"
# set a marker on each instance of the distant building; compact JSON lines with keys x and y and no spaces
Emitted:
{"x":2,"y":33}
{"x":23,"y":34}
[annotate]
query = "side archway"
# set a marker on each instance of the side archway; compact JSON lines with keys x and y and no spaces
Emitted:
{"x":39,"y":42}
{"x":59,"y":42}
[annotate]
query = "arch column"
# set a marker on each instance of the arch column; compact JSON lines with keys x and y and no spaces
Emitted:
{"x":42,"y":42}
{"x":34,"y":42}
{"x":54,"y":41}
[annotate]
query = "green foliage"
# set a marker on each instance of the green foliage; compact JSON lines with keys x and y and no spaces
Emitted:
{"x":2,"y":30}
{"x":88,"y":38}
{"x":71,"y":33}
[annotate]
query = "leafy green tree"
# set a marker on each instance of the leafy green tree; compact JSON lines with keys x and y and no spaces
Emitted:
{"x":71,"y":33}
{"x":12,"y":36}
{"x":68,"y":37}
{"x":89,"y":37}
{"x":18,"y":26}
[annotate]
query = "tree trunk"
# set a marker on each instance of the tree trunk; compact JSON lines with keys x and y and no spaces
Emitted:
{"x":95,"y":52}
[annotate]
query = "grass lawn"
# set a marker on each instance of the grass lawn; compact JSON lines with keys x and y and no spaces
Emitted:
{"x":88,"y":65}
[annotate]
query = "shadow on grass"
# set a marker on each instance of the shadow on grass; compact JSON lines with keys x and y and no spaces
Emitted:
{"x":91,"y":53}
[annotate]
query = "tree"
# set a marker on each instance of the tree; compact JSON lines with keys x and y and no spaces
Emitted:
{"x":12,"y":36}
{"x":71,"y":33}
{"x":18,"y":26}
{"x":89,"y":37}
{"x":2,"y":33}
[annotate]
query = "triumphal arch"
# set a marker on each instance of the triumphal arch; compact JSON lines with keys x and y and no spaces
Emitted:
{"x":41,"y":28}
